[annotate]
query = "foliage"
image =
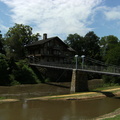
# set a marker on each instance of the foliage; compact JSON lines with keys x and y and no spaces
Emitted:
{"x":76,"y":42}
{"x":2,"y":45}
{"x":107,"y":43}
{"x":92,"y":48}
{"x":17,"y":38}
{"x":4,"y":78}
{"x":87,"y":45}
{"x":111,"y":79}
{"x":12,"y":73}
{"x":24,"y":74}
{"x":113,"y":56}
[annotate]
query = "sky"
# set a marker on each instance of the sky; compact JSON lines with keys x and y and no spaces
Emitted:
{"x":62,"y":17}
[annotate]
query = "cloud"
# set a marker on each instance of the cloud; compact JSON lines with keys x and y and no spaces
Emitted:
{"x":3,"y":28}
{"x":112,"y":13}
{"x":54,"y":16}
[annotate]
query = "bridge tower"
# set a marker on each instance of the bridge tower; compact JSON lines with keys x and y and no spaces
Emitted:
{"x":79,"y":82}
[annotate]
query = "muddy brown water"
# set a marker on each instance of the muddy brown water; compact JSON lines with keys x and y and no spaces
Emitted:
{"x":51,"y":110}
{"x":23,"y":91}
{"x":58,"y":110}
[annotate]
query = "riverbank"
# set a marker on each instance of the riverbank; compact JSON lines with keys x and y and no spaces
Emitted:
{"x":114,"y":92}
{"x":110,"y":116}
{"x":107,"y":92}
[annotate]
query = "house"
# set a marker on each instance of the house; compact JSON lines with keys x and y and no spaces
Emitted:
{"x":52,"y":50}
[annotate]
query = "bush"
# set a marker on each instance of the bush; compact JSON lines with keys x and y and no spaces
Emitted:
{"x":24,"y":74}
{"x":111,"y":79}
{"x":12,"y":73}
{"x":12,"y":80}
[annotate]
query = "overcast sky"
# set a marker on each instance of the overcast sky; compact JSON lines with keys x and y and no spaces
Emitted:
{"x":62,"y":17}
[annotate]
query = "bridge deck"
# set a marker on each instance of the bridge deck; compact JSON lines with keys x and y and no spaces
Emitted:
{"x":71,"y":68}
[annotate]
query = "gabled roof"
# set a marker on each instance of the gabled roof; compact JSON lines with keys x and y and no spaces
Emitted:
{"x":40,"y":42}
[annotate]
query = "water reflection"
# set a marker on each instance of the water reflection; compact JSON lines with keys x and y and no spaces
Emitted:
{"x":25,"y":104}
{"x":57,"y":110}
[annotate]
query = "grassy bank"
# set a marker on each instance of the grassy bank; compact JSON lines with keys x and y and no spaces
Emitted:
{"x":113,"y":118}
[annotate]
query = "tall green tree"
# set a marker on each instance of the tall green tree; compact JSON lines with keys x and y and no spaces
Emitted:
{"x":113,"y":56}
{"x":92,"y":48}
{"x":4,"y":79}
{"x":1,"y":44}
{"x":76,"y":42}
{"x":17,"y":38}
{"x":107,"y":43}
{"x":87,"y":45}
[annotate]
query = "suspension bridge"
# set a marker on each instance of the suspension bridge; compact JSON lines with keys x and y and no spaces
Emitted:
{"x":80,"y":70}
{"x":94,"y":66}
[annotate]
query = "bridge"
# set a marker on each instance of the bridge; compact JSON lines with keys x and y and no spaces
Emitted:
{"x":79,"y":72}
{"x":89,"y":69}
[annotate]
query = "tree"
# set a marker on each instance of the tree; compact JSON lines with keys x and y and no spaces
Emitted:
{"x":4,"y":79}
{"x":92,"y":48}
{"x":110,"y":49}
{"x":113,"y":56}
{"x":87,"y":45}
{"x":76,"y":42}
{"x":1,"y":44}
{"x":17,"y":38}
{"x":107,"y":43}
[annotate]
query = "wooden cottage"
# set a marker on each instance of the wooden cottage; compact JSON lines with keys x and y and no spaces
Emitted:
{"x":52,"y":50}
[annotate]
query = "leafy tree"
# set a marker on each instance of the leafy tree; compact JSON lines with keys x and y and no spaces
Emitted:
{"x":110,"y":49}
{"x":1,"y":44}
{"x":107,"y":43}
{"x":4,"y":79}
{"x":17,"y":38}
{"x":92,"y":48}
{"x":113,"y":56}
{"x":76,"y":42}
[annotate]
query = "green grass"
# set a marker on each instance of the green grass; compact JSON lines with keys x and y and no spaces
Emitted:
{"x":1,"y":98}
{"x":113,"y":118}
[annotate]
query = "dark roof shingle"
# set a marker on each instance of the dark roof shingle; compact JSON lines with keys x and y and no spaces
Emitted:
{"x":41,"y":41}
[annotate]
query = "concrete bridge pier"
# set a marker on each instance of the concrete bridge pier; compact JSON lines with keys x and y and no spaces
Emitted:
{"x":79,"y":82}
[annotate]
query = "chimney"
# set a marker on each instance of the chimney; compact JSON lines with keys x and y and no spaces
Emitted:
{"x":44,"y":36}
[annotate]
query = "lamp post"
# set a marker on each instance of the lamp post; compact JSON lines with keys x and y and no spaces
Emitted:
{"x":76,"y":56}
{"x":82,"y":60}
{"x":33,"y":59}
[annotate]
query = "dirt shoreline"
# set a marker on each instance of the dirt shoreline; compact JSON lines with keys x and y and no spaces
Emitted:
{"x":76,"y":96}
{"x":82,"y":96}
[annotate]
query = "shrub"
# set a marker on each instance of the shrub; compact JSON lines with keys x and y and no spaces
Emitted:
{"x":24,"y":74}
{"x":111,"y":79}
{"x":12,"y":80}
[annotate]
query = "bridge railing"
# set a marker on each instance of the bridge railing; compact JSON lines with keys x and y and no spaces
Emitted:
{"x":106,"y":68}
